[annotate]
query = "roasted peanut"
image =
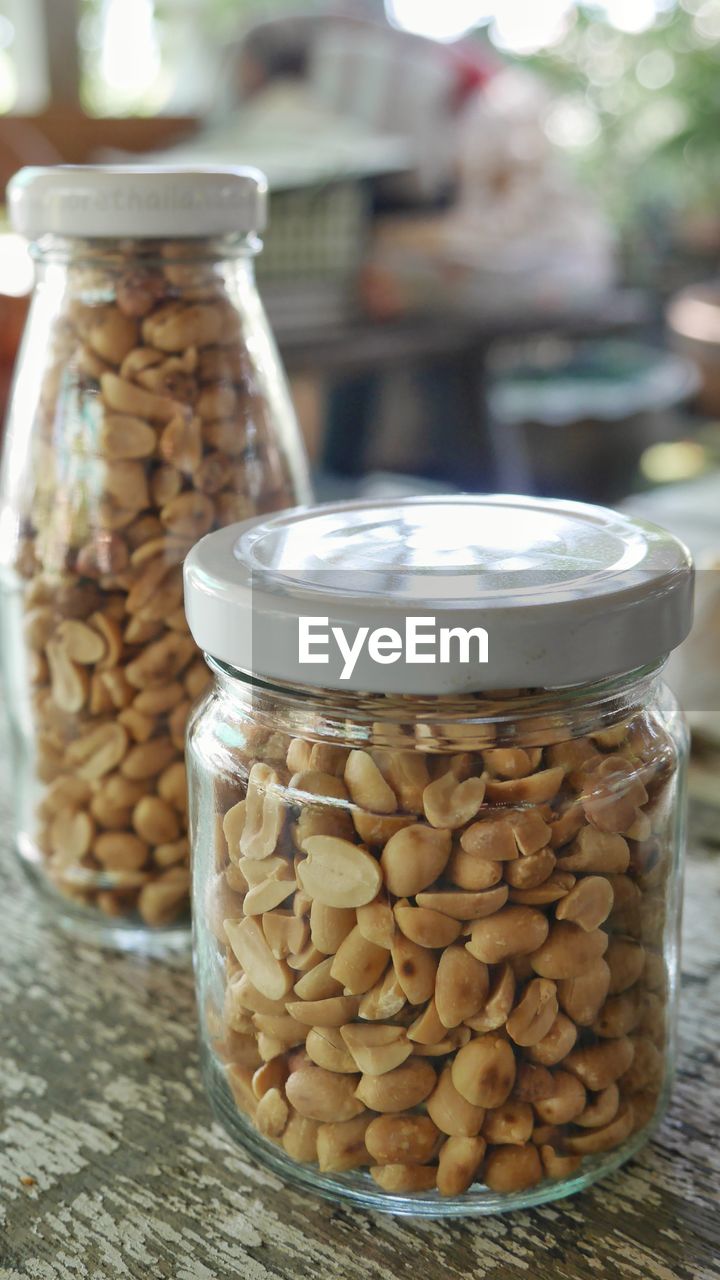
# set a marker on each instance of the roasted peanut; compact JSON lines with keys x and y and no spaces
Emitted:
{"x":376,"y":922}
{"x":450,"y":804}
{"x":461,"y":987}
{"x":358,"y":964}
{"x":398,"y":1179}
{"x":596,"y":851}
{"x":497,"y":1007}
{"x":366,"y":784}
{"x":510,"y":1123}
{"x":337,"y":873}
{"x":458,"y":1164}
{"x":509,"y":1169}
{"x":464,"y":906}
{"x":569,"y":951}
{"x":601,"y":1108}
{"x":161,"y":901}
{"x":492,"y":839}
{"x":415,"y":969}
{"x":566,"y":1103}
{"x":342,"y":1145}
{"x":269,"y":975}
{"x":555,"y":1044}
{"x":451,"y":1111}
{"x":473,"y":873}
{"x":322,"y":1095}
{"x":557,"y":1165}
{"x":626,"y":961}
{"x":426,"y":927}
{"x":582,"y":997}
{"x":588,"y":903}
{"x":300,"y":1138}
{"x":326,"y":1048}
{"x":605,"y":1139}
{"x":332,"y":1011}
{"x":483,"y":1071}
{"x":600,"y":1065}
{"x":402,"y":1139}
{"x":400,"y":1089}
{"x":330,"y":926}
{"x":512,"y":931}
{"x":376,"y":1048}
{"x":535,"y":1012}
{"x":413,"y":858}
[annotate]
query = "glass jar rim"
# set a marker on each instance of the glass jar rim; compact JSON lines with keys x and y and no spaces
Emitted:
{"x":530,"y":715}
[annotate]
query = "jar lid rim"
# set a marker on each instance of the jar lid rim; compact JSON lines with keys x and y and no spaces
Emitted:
{"x":564,"y":592}
{"x":137,"y":200}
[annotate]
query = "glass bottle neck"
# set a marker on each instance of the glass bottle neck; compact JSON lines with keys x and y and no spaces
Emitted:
{"x":124,"y":252}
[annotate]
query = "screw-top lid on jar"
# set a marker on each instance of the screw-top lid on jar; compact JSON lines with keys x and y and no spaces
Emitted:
{"x":106,"y":201}
{"x":440,"y":595}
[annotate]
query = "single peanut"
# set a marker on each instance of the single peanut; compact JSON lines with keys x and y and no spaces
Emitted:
{"x":413,"y":858}
{"x":326,"y":1048}
{"x":512,"y":931}
{"x":483,"y":1071}
{"x":339,"y":874}
{"x":358,"y":964}
{"x":426,"y":927}
{"x":323,"y":1095}
{"x":555,"y":1044}
{"x":511,"y":1123}
{"x":376,"y":1048}
{"x":451,"y":1112}
{"x":402,"y":1139}
{"x":461,"y":987}
{"x":509,"y":1169}
{"x":458,"y":1165}
{"x":582,"y":997}
{"x":341,"y":1145}
{"x":269,"y":975}
{"x":415,"y":969}
{"x":602,"y":1064}
{"x":566,"y":1103}
{"x":535,"y":1012}
{"x":569,"y":951}
{"x":450,"y":804}
{"x":400,"y":1089}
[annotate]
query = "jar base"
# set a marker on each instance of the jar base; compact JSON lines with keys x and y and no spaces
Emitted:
{"x":91,"y":927}
{"x":359,"y":1188}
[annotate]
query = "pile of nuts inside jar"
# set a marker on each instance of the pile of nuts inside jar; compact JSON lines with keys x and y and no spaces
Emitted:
{"x":151,"y":432}
{"x":445,"y":969}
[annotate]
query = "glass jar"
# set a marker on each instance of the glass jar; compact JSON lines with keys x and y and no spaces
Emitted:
{"x":149,"y":406}
{"x":436,"y":908}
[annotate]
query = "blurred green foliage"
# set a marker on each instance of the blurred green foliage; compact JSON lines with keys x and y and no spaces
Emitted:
{"x":641,"y":112}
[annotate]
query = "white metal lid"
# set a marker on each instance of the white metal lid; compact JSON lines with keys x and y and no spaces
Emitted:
{"x":566,"y":593}
{"x":136,"y":200}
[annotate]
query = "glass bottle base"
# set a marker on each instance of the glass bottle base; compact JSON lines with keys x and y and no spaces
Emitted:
{"x":359,"y":1188}
{"x":88,"y":925}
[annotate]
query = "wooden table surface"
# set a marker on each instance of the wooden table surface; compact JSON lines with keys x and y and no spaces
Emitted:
{"x":101,"y":1106}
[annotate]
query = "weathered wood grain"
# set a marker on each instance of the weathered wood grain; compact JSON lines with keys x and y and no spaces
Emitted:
{"x":102,"y":1106}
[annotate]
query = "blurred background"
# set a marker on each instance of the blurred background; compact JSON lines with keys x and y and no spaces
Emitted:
{"x":494,"y":224}
{"x":492,"y":261}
